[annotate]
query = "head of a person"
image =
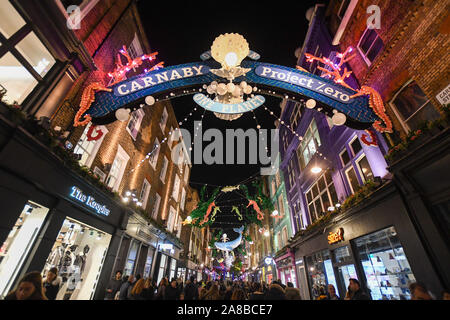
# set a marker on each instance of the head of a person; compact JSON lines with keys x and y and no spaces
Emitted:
{"x":138,"y":277}
{"x":290,"y":285}
{"x":238,"y":294}
{"x":52,"y":274}
{"x":164,"y":282}
{"x":148,"y":283}
{"x":419,"y":291}
{"x":331,"y":290}
{"x":354,"y":285}
{"x":173,"y":283}
{"x":208,"y":285}
{"x":192,"y":279}
{"x":30,"y":287}
{"x":131,"y":278}
{"x":257,"y":286}
{"x":118,"y":275}
{"x":138,"y":287}
{"x":446,"y":295}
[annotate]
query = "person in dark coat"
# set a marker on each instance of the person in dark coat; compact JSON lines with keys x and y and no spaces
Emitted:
{"x":355,"y":290}
{"x":125,"y":289}
{"x":191,"y":290}
{"x":257,"y":292}
{"x":52,"y":284}
{"x":148,"y":293}
{"x":275,"y":292}
{"x":172,"y":292}
{"x":114,"y":286}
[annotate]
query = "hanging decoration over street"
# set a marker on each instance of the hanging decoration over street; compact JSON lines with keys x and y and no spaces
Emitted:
{"x":231,"y":245}
{"x":375,"y":102}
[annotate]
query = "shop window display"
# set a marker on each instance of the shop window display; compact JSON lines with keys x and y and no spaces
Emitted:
{"x":78,"y":254}
{"x":14,"y":251}
{"x":385,"y":265}
{"x":129,"y":265}
{"x":320,"y":272}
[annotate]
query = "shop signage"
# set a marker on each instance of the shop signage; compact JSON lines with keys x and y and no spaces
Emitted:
{"x":167,"y":246}
{"x":337,"y":236}
{"x":297,"y":78}
{"x":444,"y":96}
{"x":149,"y":80}
{"x":268,"y":260}
{"x":214,"y":106}
{"x":89,"y":201}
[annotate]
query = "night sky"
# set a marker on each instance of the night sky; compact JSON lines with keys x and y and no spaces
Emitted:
{"x":181,"y":33}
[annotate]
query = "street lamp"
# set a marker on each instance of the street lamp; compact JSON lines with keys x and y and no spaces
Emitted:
{"x":316,"y":169}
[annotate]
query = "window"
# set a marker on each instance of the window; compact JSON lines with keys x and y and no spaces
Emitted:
{"x":117,"y":169}
{"x":154,"y":153}
{"x":321,"y":196}
{"x":100,"y":174}
{"x":320,"y":272}
{"x":364,"y":169}
{"x":370,"y":45}
{"x":145,"y":191}
{"x":89,"y":149}
{"x":284,"y":236}
{"x":355,"y":145}
{"x":345,"y":158}
{"x":285,"y":140}
{"x":279,"y":242}
{"x":291,"y":174}
{"x":162,"y":175}
{"x":186,"y":174}
{"x":298,"y":215}
{"x":163,"y":120}
{"x":412,"y":106}
{"x":26,"y":61}
{"x":155,"y":209}
{"x":280,"y":206}
{"x":274,"y":188}
{"x":385,"y":265}
{"x":171,"y":219}
{"x":176,"y":187}
{"x":352,"y":179}
{"x":135,"y":122}
{"x":183,"y":199}
{"x":309,"y":145}
{"x":295,"y":116}
{"x":343,"y":8}
{"x":135,"y":49}
{"x":172,"y":137}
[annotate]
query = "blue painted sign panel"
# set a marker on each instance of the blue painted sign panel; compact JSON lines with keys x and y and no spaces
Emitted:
{"x":215,"y":106}
{"x":286,"y":80}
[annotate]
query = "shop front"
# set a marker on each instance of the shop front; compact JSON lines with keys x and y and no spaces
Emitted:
{"x":376,"y":245}
{"x":51,"y":217}
{"x":268,"y":270}
{"x":166,"y":260}
{"x":286,"y":268}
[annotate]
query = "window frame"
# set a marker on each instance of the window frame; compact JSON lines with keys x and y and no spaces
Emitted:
{"x":340,"y":9}
{"x":361,"y":173}
{"x":348,"y":179}
{"x":164,"y":168}
{"x":176,"y":178}
{"x":156,"y":204}
{"x":342,"y":160}
{"x":304,"y":144}
{"x":97,"y":144}
{"x":319,"y":196}
{"x":144,"y":199}
{"x":351,"y":148}
{"x":137,"y":125}
{"x":161,"y":125}
{"x":153,"y":159}
{"x":121,"y":153}
{"x":363,"y":55}
{"x":391,"y":103}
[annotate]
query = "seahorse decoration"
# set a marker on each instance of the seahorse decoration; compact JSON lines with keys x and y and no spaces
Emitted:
{"x":87,"y":98}
{"x":213,"y":217}
{"x":205,"y":219}
{"x":236,"y":209}
{"x":256,"y":208}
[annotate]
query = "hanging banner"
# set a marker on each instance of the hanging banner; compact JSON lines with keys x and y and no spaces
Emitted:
{"x":214,"y":106}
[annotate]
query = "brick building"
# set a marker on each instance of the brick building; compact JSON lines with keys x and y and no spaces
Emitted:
{"x":140,"y":235}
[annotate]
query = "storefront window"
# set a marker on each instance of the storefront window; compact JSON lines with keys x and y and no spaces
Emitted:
{"x":18,"y":244}
{"x":320,"y":272}
{"x":173,"y":265}
{"x":10,"y":20}
{"x":129,"y":265}
{"x":148,"y":263}
{"x":78,"y":254}
{"x":385,"y":265}
{"x":162,"y":268}
{"x":36,"y":54}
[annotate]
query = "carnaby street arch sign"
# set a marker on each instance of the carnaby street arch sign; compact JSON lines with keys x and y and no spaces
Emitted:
{"x":176,"y":79}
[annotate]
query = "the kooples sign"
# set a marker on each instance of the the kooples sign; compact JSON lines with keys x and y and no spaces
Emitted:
{"x":154,"y":79}
{"x":296,"y":78}
{"x":337,"y":236}
{"x":89,"y":201}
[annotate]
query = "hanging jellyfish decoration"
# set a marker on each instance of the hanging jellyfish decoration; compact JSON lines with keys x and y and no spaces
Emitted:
{"x":334,"y":71}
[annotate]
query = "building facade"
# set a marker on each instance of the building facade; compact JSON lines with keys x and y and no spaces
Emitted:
{"x":121,"y":204}
{"x":381,"y":240}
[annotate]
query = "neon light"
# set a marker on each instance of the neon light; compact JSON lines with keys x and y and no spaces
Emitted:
{"x":89,"y":201}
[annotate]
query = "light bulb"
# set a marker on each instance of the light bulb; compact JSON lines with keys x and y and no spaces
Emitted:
{"x":231,"y":59}
{"x":316,"y":169}
{"x":274,"y":213}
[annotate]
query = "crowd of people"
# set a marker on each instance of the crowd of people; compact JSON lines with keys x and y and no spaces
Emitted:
{"x":33,"y":287}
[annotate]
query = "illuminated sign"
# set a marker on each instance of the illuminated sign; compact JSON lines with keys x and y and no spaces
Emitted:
{"x":214,"y":106}
{"x":335,"y":92}
{"x":89,"y":201}
{"x":153,"y":79}
{"x":268,"y":260}
{"x":337,"y":236}
{"x":167,"y":246}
